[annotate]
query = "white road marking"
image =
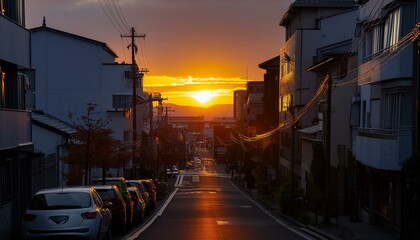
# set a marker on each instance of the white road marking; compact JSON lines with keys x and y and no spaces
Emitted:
{"x":137,"y":233}
{"x":179,"y":180}
{"x":272,"y":216}
{"x":195,"y":178}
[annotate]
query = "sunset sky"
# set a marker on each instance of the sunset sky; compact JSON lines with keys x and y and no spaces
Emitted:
{"x":197,"y":51}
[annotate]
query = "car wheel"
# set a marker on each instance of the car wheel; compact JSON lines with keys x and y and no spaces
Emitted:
{"x":130,"y":223}
{"x":123,"y":229}
{"x":135,"y":219}
{"x":98,"y":236}
{"x":109,"y":233}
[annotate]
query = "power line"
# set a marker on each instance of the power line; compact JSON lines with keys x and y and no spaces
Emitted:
{"x":120,"y":27}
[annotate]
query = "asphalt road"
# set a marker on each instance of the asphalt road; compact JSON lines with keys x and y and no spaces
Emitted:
{"x":207,"y":206}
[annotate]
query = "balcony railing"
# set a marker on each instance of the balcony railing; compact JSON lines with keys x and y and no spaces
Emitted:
{"x":383,"y":148}
{"x":384,"y":133}
{"x":15,"y":128}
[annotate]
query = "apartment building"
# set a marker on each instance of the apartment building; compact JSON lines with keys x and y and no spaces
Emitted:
{"x":383,"y":138}
{"x":16,"y":146}
{"x":311,"y":26}
{"x":72,"y":71}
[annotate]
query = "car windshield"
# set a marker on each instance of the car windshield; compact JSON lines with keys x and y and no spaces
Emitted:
{"x":66,"y":200}
{"x":138,"y":185}
{"x":106,"y":194}
{"x":120,"y":184}
{"x":147,"y":186}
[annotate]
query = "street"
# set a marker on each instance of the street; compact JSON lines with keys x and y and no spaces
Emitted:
{"x":208,"y":206}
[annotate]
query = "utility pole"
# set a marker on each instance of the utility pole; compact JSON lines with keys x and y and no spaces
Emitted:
{"x":134,"y":69}
{"x":292,"y":147}
{"x":327,"y":150}
{"x":167,"y":109}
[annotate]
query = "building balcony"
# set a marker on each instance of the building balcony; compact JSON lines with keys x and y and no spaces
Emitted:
{"x":382,"y":149}
{"x":15,"y":43}
{"x":387,"y":64}
{"x":15,"y":130}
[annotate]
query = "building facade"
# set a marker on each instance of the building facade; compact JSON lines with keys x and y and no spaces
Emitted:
{"x":16,"y":146}
{"x":239,"y":99}
{"x":72,"y":71}
{"x":310,"y":26}
{"x":383,"y":138}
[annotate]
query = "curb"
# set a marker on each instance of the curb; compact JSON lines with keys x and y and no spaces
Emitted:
{"x":312,"y":231}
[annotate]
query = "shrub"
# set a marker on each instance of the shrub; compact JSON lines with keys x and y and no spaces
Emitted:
{"x":290,"y":202}
{"x":161,"y":190}
{"x":263,"y":190}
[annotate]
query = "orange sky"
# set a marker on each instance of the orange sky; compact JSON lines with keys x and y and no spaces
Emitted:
{"x":213,"y":45}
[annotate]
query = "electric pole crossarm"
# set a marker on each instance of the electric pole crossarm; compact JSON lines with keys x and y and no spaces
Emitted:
{"x":134,"y":69}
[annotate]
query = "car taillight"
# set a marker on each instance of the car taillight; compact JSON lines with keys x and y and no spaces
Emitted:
{"x":89,"y":215}
{"x":29,"y":217}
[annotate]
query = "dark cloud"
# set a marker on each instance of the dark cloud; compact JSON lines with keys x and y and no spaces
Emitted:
{"x":221,"y":38}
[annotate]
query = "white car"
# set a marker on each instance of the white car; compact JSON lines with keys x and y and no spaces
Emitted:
{"x":73,"y":212}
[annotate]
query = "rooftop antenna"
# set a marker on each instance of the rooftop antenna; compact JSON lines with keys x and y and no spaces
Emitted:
{"x":44,"y":24}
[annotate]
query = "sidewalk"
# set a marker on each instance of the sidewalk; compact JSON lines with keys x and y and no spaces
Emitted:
{"x":344,"y":230}
{"x":355,"y":230}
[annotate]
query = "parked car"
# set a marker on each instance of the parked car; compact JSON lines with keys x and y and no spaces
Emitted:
{"x":169,"y":173}
{"x":175,"y":171}
{"x":122,"y":186}
{"x":139,"y":204}
{"x":172,"y":172}
{"x":144,"y":192}
{"x":112,"y":194}
{"x":151,"y":189}
{"x":71,"y":212}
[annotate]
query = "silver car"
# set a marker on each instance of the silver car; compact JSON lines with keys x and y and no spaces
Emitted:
{"x":73,"y":212}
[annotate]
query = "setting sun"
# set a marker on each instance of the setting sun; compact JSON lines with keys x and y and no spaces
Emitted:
{"x":202,"y":96}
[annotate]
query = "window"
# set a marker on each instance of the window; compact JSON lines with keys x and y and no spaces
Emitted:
{"x":373,"y":40}
{"x":2,"y":89}
{"x":5,"y":181}
{"x":396,"y":109}
{"x":392,"y":29}
{"x":285,"y":102}
{"x":2,"y":11}
{"x":122,"y":101}
{"x":383,"y":35}
{"x":390,"y":110}
{"x":285,"y":68}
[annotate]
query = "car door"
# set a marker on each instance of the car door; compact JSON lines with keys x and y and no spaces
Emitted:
{"x":105,"y":213}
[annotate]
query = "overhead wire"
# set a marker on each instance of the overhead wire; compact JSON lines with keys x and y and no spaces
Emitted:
{"x":120,"y":13}
{"x":398,"y":47}
{"x":388,"y":55}
{"x":289,"y":122}
{"x":111,"y":17}
{"x":371,"y":22}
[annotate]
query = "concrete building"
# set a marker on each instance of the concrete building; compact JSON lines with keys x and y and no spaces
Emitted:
{"x":16,"y":146}
{"x":338,"y":62}
{"x":254,"y":107}
{"x":310,"y":26}
{"x":383,"y":137}
{"x":239,"y":99}
{"x":270,"y":145}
